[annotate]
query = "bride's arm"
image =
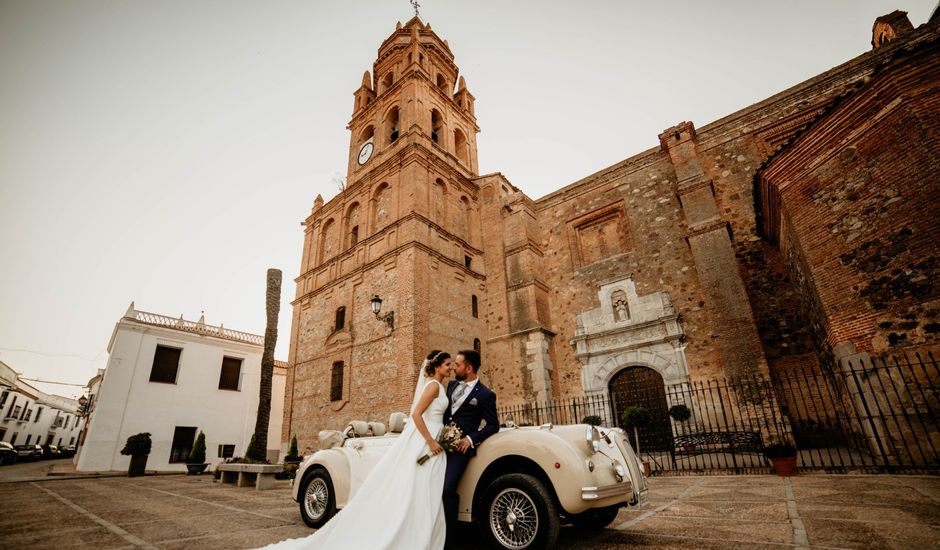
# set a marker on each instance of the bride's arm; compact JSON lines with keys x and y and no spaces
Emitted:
{"x":430,"y":392}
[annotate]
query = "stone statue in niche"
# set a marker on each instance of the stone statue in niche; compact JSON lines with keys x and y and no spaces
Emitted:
{"x":619,"y":302}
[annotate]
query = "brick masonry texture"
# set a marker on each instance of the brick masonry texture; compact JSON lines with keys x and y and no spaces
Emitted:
{"x":776,"y":233}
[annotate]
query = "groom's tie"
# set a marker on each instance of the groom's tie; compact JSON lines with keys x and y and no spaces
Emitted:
{"x":458,"y":393}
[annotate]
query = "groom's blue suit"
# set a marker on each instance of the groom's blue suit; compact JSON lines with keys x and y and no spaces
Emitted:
{"x":478,"y":406}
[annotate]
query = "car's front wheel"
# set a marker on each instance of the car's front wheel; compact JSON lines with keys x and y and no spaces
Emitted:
{"x":520,"y":512}
{"x":317,"y":499}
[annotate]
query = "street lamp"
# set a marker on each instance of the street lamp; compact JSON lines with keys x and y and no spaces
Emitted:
{"x":389,"y":317}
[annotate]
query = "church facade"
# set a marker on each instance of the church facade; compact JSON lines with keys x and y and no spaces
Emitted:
{"x":735,"y":249}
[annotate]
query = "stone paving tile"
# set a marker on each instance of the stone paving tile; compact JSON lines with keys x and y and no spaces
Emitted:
{"x":775,"y":511}
{"x":199,"y":525}
{"x":909,"y":515}
{"x":95,"y":537}
{"x":620,"y":540}
{"x":239,"y":539}
{"x":739,"y":493}
{"x":862,"y":535}
{"x":758,"y":532}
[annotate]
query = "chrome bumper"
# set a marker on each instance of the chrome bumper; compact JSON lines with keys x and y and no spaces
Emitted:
{"x":617,"y":489}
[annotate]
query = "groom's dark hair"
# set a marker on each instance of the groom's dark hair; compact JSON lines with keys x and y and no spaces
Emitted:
{"x":471,"y":356}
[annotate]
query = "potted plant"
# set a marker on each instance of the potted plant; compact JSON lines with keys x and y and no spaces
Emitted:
{"x":682,"y":413}
{"x":196,"y":461}
{"x":138,"y":447}
{"x":636,"y":417}
{"x":592,"y":420}
{"x":783,"y":458}
{"x":292,"y":455}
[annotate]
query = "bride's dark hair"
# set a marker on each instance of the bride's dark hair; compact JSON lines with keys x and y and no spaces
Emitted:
{"x":435,"y":359}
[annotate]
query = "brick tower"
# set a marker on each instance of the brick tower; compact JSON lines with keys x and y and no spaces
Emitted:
{"x":405,"y":229}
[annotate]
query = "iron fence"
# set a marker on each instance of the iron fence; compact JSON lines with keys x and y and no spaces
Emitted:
{"x":871,"y":415}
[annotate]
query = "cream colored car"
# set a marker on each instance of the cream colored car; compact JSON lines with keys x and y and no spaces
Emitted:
{"x":522,"y":485}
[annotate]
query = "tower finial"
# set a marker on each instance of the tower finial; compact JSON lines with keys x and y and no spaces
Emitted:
{"x":415,"y":5}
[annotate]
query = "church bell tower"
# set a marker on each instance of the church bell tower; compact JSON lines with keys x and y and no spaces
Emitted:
{"x":405,"y":229}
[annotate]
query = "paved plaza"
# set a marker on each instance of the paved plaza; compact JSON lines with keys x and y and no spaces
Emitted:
{"x":176,"y":511}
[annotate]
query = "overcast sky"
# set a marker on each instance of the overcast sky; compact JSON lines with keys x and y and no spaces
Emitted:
{"x":165,"y":152}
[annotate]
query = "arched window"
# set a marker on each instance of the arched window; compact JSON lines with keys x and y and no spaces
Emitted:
{"x":340,"y":318}
{"x":462,"y":225}
{"x":476,"y":345}
{"x":391,"y":125}
{"x":388,"y":81}
{"x":438,"y":202}
{"x":381,"y":205}
{"x":367,"y":133}
{"x":474,"y":307}
{"x":441,"y":82}
{"x":327,"y":240}
{"x":436,"y":126}
{"x":352,"y":225}
{"x":336,"y":381}
{"x":460,"y":146}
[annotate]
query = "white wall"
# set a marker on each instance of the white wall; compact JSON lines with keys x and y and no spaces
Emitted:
{"x":128,"y":403}
{"x":42,"y":410}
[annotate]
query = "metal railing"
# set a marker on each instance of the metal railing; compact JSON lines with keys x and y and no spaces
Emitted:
{"x":871,"y":415}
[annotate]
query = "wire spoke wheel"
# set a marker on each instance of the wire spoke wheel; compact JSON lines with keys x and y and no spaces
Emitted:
{"x":316,"y":498}
{"x":514,"y":519}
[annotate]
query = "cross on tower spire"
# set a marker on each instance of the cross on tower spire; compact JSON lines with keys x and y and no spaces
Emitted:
{"x":415,"y":5}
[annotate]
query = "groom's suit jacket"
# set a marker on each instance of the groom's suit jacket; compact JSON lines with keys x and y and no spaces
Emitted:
{"x":480,"y":404}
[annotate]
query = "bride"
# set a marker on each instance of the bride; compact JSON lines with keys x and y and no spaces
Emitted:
{"x":399,"y":504}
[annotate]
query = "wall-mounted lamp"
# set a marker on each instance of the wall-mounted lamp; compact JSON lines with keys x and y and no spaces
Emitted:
{"x":389,"y":317}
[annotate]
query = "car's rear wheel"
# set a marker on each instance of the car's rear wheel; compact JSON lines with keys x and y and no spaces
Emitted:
{"x":317,"y":499}
{"x":596,"y":519}
{"x":520,"y":512}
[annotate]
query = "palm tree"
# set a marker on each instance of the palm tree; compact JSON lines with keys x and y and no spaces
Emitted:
{"x":257,"y":449}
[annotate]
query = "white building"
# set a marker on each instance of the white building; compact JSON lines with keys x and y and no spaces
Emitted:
{"x":172,"y":378}
{"x":28,"y":415}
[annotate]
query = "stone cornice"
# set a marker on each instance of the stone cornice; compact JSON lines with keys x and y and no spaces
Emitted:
{"x":381,"y":259}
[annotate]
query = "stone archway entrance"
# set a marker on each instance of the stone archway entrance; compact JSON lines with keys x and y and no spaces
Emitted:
{"x":642,"y":386}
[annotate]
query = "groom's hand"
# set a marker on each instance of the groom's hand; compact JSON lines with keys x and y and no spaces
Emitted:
{"x":464,"y":445}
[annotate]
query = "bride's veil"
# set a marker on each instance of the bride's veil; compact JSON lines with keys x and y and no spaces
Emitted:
{"x":419,"y":387}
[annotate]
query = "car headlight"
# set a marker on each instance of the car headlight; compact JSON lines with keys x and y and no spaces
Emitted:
{"x":593,"y":439}
{"x":619,"y":470}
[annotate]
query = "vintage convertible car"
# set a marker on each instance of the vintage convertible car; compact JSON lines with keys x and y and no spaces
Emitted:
{"x":523,"y":483}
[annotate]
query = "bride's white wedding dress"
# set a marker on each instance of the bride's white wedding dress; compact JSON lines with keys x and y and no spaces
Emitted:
{"x":398,"y":506}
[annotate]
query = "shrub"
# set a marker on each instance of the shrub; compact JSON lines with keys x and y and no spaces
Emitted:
{"x":198,"y":454}
{"x":137,"y":445}
{"x":292,"y":454}
{"x":780,"y":450}
{"x":593,"y":420}
{"x":680,"y":412}
{"x":636,"y":416}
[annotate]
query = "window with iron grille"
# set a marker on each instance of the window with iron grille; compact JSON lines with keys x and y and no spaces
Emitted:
{"x":340,"y":318}
{"x":183,"y":438}
{"x":336,"y":382}
{"x":226,"y":451}
{"x":230,"y":374}
{"x":166,"y":362}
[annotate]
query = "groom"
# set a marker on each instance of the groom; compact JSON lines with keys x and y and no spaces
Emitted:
{"x":470,"y":403}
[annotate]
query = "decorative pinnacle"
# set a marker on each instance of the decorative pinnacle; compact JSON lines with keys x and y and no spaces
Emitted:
{"x":415,"y":5}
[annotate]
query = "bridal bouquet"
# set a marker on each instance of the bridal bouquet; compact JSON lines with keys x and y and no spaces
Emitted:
{"x":449,"y":438}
